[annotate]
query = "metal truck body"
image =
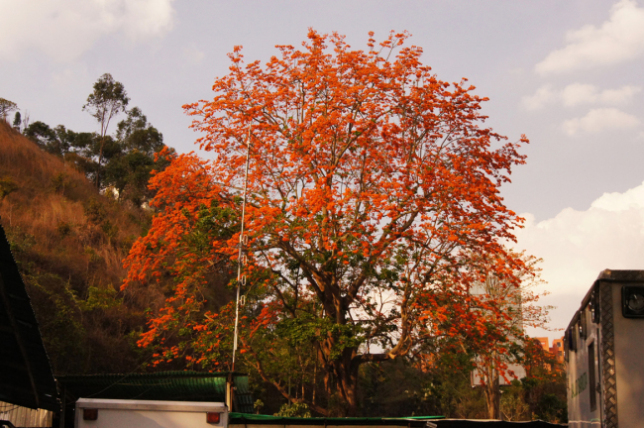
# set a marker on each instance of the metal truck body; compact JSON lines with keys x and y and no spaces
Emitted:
{"x":604,"y":346}
{"x":108,"y":413}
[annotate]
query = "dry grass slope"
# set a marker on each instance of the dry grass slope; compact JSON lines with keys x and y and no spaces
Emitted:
{"x":70,"y":242}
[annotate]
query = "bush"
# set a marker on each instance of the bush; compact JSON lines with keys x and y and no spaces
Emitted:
{"x":63,"y":228}
{"x":294,"y":410}
{"x":7,"y":186}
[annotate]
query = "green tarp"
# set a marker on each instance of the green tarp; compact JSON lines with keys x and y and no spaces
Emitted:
{"x":413,"y":421}
{"x":245,"y":419}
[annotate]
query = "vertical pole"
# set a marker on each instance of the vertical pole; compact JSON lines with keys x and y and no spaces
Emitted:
{"x":240,"y":253}
{"x":229,"y":392}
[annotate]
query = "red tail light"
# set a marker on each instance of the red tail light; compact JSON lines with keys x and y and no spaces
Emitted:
{"x":90,"y":414}
{"x":213,"y":417}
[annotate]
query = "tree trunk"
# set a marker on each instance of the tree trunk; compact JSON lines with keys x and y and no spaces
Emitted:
{"x":492,"y":392}
{"x":346,"y":372}
{"x":100,"y":160}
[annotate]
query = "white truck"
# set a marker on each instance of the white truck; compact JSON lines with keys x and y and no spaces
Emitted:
{"x":110,"y":413}
{"x":604,"y":345}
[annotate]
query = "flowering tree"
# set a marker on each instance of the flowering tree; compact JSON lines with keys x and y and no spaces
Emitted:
{"x":371,"y":184}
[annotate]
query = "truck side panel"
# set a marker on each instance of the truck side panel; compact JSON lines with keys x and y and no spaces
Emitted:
{"x":146,"y":419}
{"x":583,"y":395}
{"x":629,"y":364}
{"x":111,"y":413}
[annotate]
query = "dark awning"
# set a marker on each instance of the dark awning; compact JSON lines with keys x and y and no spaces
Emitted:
{"x":26,"y":377}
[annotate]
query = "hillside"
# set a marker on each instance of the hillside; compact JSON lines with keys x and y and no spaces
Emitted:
{"x":69,"y":242}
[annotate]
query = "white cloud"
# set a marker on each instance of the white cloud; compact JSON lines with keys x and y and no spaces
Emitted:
{"x":577,"y":245}
{"x":194,"y":55}
{"x":618,"y":202}
{"x":579,"y":93}
{"x":64,"y":29}
{"x":619,"y":96}
{"x":619,"y":39}
{"x":598,"y":120}
{"x":544,"y":95}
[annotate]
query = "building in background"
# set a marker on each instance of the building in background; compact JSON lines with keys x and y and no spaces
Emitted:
{"x":557,"y":348}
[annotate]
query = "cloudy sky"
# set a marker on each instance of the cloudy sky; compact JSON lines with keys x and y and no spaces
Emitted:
{"x":567,"y":74}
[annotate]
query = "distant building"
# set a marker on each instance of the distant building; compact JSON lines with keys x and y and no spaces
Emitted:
{"x":544,"y":343}
{"x":557,"y":348}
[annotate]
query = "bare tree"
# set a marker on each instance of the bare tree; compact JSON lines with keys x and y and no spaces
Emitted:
{"x":106,"y":101}
{"x":25,"y":121}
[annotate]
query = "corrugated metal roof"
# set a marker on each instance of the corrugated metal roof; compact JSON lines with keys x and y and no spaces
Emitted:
{"x":175,"y":386}
{"x":26,"y":377}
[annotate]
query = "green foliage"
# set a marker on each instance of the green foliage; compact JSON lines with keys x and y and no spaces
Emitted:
{"x":108,"y":99}
{"x":60,"y":141}
{"x":64,"y":228}
{"x":210,"y":223}
{"x":17,"y":120}
{"x":95,"y":211}
{"x":307,"y":329}
{"x":552,"y":407}
{"x":102,"y":298}
{"x":124,"y":161}
{"x":92,"y":255}
{"x":404,"y":388}
{"x":135,"y":133}
{"x":20,"y":242}
{"x":7,"y":186}
{"x":63,"y":333}
{"x":294,"y":410}
{"x":258,"y":405}
{"x":513,"y":404}
{"x":61,"y":181}
{"x":129,"y":169}
{"x":109,"y":229}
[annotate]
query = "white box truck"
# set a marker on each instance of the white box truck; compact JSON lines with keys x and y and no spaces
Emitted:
{"x":109,"y":413}
{"x":604,"y":345}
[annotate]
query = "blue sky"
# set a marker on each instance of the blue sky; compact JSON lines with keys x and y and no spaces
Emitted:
{"x":567,"y":74}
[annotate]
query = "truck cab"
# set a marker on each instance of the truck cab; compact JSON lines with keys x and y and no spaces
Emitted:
{"x":604,"y":353}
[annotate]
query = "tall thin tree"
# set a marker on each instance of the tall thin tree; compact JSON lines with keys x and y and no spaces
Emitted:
{"x":106,"y":101}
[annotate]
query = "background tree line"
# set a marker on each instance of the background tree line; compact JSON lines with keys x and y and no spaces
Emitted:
{"x":122,"y":161}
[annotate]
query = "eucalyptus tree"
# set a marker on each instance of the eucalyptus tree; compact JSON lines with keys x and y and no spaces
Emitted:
{"x":108,"y":99}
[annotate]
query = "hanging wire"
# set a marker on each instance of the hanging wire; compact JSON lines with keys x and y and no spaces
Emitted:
{"x":243,"y":240}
